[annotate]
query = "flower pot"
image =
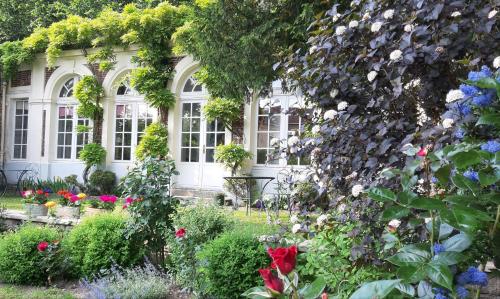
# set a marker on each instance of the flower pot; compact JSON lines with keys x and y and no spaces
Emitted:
{"x":93,"y":211}
{"x":68,"y":212}
{"x":36,"y":210}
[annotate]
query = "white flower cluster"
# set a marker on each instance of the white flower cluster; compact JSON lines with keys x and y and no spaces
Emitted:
{"x":321,"y":219}
{"x":293,"y":141}
{"x":357,"y":190}
{"x":409,"y":27}
{"x":376,"y":26}
{"x":448,"y":123}
{"x":316,"y":129}
{"x":456,"y":14}
{"x":342,"y":106}
{"x":394,"y":223}
{"x":296,"y":228}
{"x":396,"y":55}
{"x":353,"y":24}
{"x":340,"y":30}
{"x":496,"y":62}
{"x":492,"y":14}
{"x":294,"y":219}
{"x":371,"y":76}
{"x":330,"y":114}
{"x":388,"y":14}
{"x":453,"y":95}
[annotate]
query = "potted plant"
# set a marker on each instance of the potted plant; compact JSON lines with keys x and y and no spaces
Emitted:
{"x":34,"y":202}
{"x":100,"y":204}
{"x":69,"y":204}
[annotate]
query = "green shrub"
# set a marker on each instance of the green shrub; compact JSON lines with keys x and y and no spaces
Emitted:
{"x":229,"y":264}
{"x":232,"y":156}
{"x":97,"y":243}
{"x":20,"y":261}
{"x":92,"y":154}
{"x":202,"y":224}
{"x":153,"y":143}
{"x":103,"y":181}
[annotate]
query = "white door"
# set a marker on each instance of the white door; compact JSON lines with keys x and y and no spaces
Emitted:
{"x":197,"y":141}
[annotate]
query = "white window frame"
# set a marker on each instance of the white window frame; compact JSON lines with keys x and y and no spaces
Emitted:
{"x":70,"y":102}
{"x":135,"y":101}
{"x":286,"y":103}
{"x":24,"y":130}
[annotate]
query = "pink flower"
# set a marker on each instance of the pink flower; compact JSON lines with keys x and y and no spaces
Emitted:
{"x":42,"y":246}
{"x":129,"y":200}
{"x":124,"y":207}
{"x":422,"y":152}
{"x":74,"y":198}
{"x":108,"y":198}
{"x":180,"y":233}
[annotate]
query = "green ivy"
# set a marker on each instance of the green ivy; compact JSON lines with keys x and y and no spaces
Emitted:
{"x":153,"y":143}
{"x":92,"y":154}
{"x":232,"y":156}
{"x":89,"y":92}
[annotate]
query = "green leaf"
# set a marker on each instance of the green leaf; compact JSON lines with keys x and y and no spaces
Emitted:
{"x":463,"y":183}
{"x":376,"y":289}
{"x":443,"y":174}
{"x":395,"y":212}
{"x":488,"y":177}
{"x":448,"y":258}
{"x":465,"y":159}
{"x":466,"y":211}
{"x":424,"y":290}
{"x":426,"y":203}
{"x":257,"y":293}
{"x":460,"y":221}
{"x":458,"y":243}
{"x":406,"y":289}
{"x":412,"y":274}
{"x":381,"y":194}
{"x":445,"y":230}
{"x":486,"y":83}
{"x":313,"y":290}
{"x":440,"y":274}
{"x":492,"y":119}
{"x":406,"y":197}
{"x":410,"y":256}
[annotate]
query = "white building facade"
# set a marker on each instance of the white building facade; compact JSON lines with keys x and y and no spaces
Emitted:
{"x":41,"y":123}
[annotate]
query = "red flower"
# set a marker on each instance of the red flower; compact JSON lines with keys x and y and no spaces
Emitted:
{"x":422,"y":152}
{"x":180,"y":233}
{"x":42,"y":246}
{"x":324,"y":296}
{"x":39,"y":191}
{"x":283,"y":258}
{"x":124,"y":207}
{"x":46,"y":194}
{"x":271,"y":281}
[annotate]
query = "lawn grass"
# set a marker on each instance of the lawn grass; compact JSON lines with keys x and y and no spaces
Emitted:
{"x":256,"y":223}
{"x":256,"y":217}
{"x":15,"y":292}
{"x":12,"y":202}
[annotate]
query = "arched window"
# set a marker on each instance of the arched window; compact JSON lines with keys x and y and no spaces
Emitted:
{"x":71,"y":138}
{"x":192,"y":86}
{"x":67,"y":88}
{"x":132,"y":116}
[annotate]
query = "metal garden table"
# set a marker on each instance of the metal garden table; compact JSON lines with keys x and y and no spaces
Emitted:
{"x":248,"y":184}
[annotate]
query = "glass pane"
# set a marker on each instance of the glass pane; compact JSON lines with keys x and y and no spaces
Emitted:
{"x":119,"y":125}
{"x":127,"y":139}
{"x":220,"y":126}
{"x":126,"y":153}
{"x":262,"y":123}
{"x":69,"y":126}
{"x":185,"y":155}
{"x":293,"y":122}
{"x":128,"y":125}
{"x":67,"y":152}
{"x":275,"y":123}
{"x":185,"y":140}
{"x":276,"y":109}
{"x":19,"y":107}
{"x":17,"y":137}
{"x":210,"y":155}
{"x":261,"y":156}
{"x":25,"y":138}
{"x":198,"y":88}
{"x":128,"y":111}
{"x":195,"y":124}
{"x":118,"y":153}
{"x":195,"y":140}
{"x":220,"y":139}
{"x":196,"y":109}
{"x":210,"y":140}
{"x":273,"y":135}
{"x":188,"y":87}
{"x":141,"y":125}
{"x":186,"y":110}
{"x":67,"y":140}
{"x":59,"y":152}
{"x":195,"y":155}
{"x":211,"y":126}
{"x":25,"y":122}
{"x":185,"y":125}
{"x":262,"y":139}
{"x":23,"y":151}
{"x":118,"y":140}
{"x":120,"y":111}
{"x":19,"y":122}
{"x":60,"y":139}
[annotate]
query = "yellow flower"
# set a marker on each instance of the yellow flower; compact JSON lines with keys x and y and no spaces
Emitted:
{"x":81,"y":195}
{"x":50,"y":204}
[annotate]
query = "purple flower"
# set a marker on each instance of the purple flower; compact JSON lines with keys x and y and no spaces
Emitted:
{"x":473,"y":276}
{"x":469,"y":90}
{"x":438,"y":248}
{"x":471,"y":175}
{"x":462,"y":292}
{"x":434,"y":180}
{"x":460,"y":133}
{"x":491,"y":146}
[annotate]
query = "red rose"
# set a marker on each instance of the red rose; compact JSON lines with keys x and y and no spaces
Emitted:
{"x":283,"y":258}
{"x":180,"y":233}
{"x":39,"y":192}
{"x":42,"y":246}
{"x":422,"y":152}
{"x":271,"y":281}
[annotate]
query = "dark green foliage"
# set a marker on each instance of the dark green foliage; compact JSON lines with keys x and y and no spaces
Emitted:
{"x":99,"y":242}
{"x":20,"y":261}
{"x":153,"y":143}
{"x":230,"y":264}
{"x":202,"y":224}
{"x":93,"y":154}
{"x":103,"y":181}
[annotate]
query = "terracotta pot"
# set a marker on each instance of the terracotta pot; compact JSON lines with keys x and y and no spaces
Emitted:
{"x":36,"y":210}
{"x":93,"y":211}
{"x":68,"y":212}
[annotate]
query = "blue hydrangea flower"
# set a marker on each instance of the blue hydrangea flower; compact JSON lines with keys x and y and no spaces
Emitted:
{"x":462,"y":292}
{"x":440,"y":296}
{"x":491,"y":146}
{"x":460,"y":133}
{"x":464,"y":109}
{"x":438,"y":248}
{"x":434,"y":180}
{"x":484,"y":73}
{"x":440,"y":293}
{"x":484,"y":100}
{"x":469,"y":90}
{"x":473,"y":276}
{"x":471,"y":175}
{"x":486,"y":70}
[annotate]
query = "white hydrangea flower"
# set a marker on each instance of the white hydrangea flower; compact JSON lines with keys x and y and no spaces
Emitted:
{"x":296,"y":228}
{"x":274,"y":142}
{"x":388,"y":14}
{"x":312,"y":49}
{"x":336,"y":17}
{"x":496,"y":62}
{"x":408,"y":27}
{"x":453,"y":95}
{"x":292,"y":141}
{"x":357,"y":190}
{"x":371,"y":76}
{"x":376,"y":26}
{"x":353,"y":24}
{"x":340,"y":30}
{"x":330,"y":114}
{"x":396,"y":55}
{"x":341,"y":208}
{"x":294,"y":219}
{"x":427,"y":220}
{"x":492,"y":14}
{"x":293,"y":150}
{"x":448,"y":123}
{"x":456,"y":14}
{"x":334,"y":92}
{"x":316,"y":129}
{"x":395,"y":223}
{"x":342,"y":106}
{"x":321,"y":219}
{"x":366,"y":16}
